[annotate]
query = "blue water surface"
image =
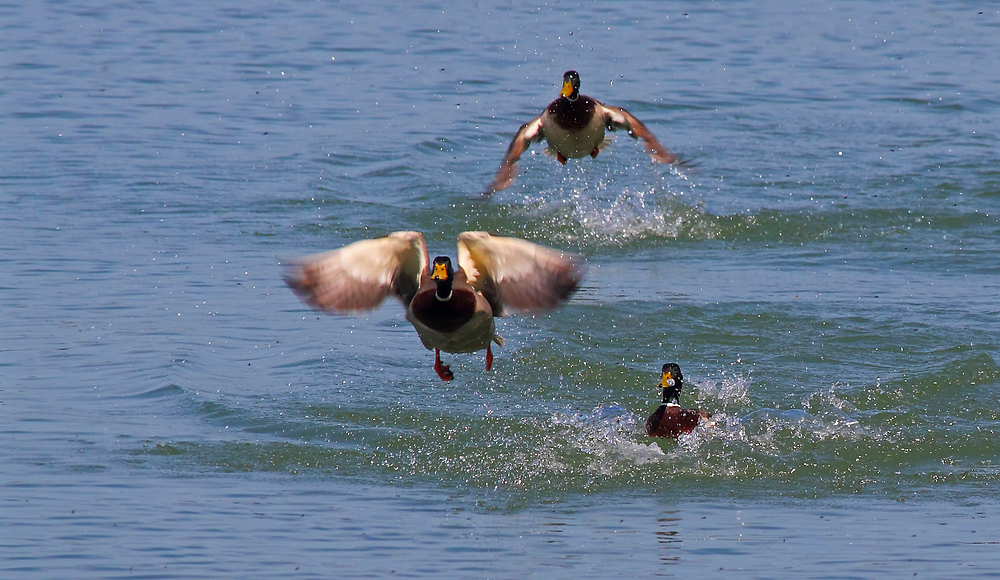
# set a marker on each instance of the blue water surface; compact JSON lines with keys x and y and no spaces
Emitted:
{"x":825,"y":273}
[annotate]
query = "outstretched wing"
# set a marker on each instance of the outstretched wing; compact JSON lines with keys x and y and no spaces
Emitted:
{"x":517,"y":273}
{"x":619,"y":118}
{"x":530,"y":132}
{"x":360,"y":275}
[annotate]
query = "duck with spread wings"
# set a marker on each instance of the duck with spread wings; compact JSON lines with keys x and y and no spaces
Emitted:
{"x":452,"y":309}
{"x":573,"y":125}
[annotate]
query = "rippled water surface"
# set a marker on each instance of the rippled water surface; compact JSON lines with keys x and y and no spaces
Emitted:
{"x":826,"y":275}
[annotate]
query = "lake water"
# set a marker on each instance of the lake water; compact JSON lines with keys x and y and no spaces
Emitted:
{"x":826,"y":276}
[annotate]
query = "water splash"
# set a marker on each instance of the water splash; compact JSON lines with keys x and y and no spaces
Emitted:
{"x":597,"y":210}
{"x":729,"y":388}
{"x":733,"y":435}
{"x":609,"y":432}
{"x":823,"y":443}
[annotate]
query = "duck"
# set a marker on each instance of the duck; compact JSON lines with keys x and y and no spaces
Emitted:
{"x":573,"y":125}
{"x":452,"y":309}
{"x":669,"y":419}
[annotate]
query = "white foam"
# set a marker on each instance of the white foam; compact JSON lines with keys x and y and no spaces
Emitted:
{"x":593,"y":213}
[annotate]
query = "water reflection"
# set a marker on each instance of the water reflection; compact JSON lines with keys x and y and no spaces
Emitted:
{"x":668,"y":538}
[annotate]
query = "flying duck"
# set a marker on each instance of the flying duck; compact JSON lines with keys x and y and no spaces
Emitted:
{"x":451,"y":309}
{"x":670,"y":420}
{"x":574,"y":125}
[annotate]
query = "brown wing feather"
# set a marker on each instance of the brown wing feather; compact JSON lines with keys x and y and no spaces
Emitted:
{"x":619,"y":118}
{"x":360,"y":275}
{"x":530,"y":132}
{"x":516,"y":273}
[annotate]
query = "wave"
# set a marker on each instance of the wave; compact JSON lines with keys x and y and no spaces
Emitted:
{"x":896,"y":438}
{"x":602,"y":216}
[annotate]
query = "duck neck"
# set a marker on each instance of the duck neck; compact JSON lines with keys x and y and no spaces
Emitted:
{"x":443,"y":292}
{"x":672,"y":396}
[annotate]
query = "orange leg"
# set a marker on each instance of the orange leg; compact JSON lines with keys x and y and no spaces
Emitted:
{"x":561,"y":158}
{"x":594,"y":152}
{"x":489,"y":357}
{"x":442,"y":370}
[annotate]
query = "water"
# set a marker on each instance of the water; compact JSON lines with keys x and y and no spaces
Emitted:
{"x":826,"y":277}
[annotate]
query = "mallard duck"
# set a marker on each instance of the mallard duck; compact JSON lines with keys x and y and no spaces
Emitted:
{"x":451,"y":309}
{"x":670,"y":420}
{"x":574,"y":125}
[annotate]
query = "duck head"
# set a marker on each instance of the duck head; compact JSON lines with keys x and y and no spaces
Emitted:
{"x":571,"y":85}
{"x":443,"y":274}
{"x":671,"y":381}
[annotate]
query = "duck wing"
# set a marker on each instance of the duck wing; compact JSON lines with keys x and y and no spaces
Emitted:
{"x":517,"y":273}
{"x":530,"y":132}
{"x":619,"y":118}
{"x":360,"y":275}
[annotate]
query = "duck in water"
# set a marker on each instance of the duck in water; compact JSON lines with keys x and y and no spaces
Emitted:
{"x":670,"y":420}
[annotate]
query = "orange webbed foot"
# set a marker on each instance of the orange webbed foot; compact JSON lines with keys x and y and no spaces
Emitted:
{"x":594,"y":153}
{"x":561,"y":158}
{"x":442,"y":370}
{"x":489,"y":357}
